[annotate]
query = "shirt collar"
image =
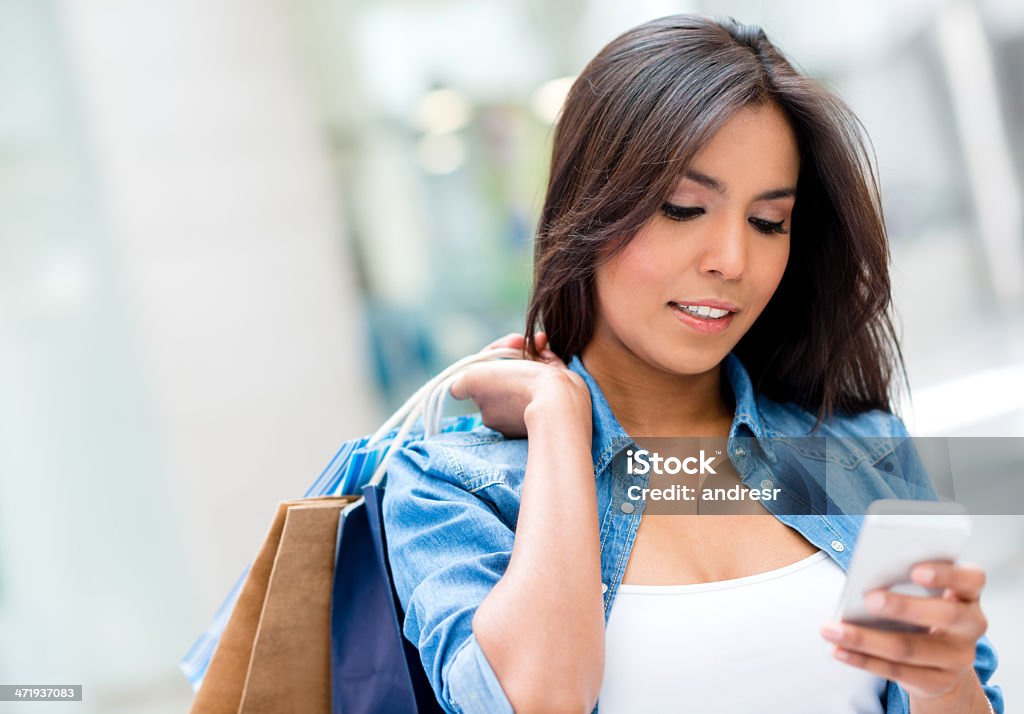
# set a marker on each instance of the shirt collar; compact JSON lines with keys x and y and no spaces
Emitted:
{"x":609,"y":437}
{"x":747,"y":419}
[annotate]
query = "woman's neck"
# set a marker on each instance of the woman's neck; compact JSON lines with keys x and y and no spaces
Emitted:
{"x":648,"y":401}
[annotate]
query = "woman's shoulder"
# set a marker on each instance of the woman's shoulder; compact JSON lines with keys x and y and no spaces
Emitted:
{"x":850,"y":437}
{"x":473,"y":435}
{"x":472,"y":457}
{"x":874,"y":444}
{"x":791,"y":419}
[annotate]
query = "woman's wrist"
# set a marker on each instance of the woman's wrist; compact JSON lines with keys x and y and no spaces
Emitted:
{"x":562,"y":403}
{"x":969,"y":696}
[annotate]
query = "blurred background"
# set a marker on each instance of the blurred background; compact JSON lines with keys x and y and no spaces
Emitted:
{"x":236,"y":233}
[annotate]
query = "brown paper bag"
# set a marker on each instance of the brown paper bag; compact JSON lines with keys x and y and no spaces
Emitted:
{"x":274,"y":655}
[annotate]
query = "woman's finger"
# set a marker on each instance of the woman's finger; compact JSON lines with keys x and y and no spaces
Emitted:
{"x":966,"y":581}
{"x":517,"y":341}
{"x":932,"y":680}
{"x":460,"y":388}
{"x":942,"y":613}
{"x":550,"y":358}
{"x":512,"y":339}
{"x":914,"y":648}
{"x":541,"y":341}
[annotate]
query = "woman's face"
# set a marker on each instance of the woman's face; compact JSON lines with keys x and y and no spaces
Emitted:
{"x":721,"y":241}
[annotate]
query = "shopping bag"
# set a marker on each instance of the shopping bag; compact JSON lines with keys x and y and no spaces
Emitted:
{"x":352,"y":465}
{"x":423,"y":692}
{"x":273,"y":655}
{"x":356,"y":578}
{"x":374,"y":668}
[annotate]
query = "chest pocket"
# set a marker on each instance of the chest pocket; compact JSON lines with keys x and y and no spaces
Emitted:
{"x":490,"y":467}
{"x":838,"y":475}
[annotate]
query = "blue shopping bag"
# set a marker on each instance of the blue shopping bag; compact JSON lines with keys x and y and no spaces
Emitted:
{"x":374,"y":668}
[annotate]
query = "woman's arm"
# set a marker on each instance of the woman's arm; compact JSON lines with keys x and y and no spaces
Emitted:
{"x":542,"y":626}
{"x":534,"y":576}
{"x":933,"y":669}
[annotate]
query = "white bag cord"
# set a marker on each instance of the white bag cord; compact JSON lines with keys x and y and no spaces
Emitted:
{"x":428,"y":402}
{"x":433,"y":412}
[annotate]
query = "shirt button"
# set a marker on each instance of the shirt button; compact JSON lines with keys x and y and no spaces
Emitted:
{"x":627,"y":507}
{"x":604,"y":587}
{"x":767,"y":483}
{"x":838,"y":547}
{"x":741,"y":451}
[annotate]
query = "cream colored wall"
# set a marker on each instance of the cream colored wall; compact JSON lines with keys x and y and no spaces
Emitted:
{"x":196,"y":353}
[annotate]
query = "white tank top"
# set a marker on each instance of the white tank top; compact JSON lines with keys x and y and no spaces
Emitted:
{"x":749,"y":644}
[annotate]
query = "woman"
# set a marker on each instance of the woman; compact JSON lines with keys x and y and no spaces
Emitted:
{"x":711,"y":261}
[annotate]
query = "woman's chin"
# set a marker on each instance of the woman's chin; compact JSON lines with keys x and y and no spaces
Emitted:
{"x":692,"y":361}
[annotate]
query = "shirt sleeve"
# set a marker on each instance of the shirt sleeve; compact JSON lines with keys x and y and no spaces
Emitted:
{"x":447,"y":548}
{"x":985,"y":662}
{"x":922,"y":488}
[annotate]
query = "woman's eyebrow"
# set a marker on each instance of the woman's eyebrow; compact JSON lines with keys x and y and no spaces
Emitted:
{"x":718,"y":187}
{"x":776,"y":193}
{"x":704,"y":180}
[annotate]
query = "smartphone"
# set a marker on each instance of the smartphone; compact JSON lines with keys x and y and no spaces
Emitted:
{"x":896,"y":535}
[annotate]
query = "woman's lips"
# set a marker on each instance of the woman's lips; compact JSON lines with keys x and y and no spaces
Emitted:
{"x":708,"y":302}
{"x":703,"y":325}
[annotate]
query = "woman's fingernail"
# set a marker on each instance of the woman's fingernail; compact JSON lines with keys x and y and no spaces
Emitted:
{"x":875,"y":602}
{"x":832,"y":631}
{"x":925,"y":575}
{"x":842,"y":654}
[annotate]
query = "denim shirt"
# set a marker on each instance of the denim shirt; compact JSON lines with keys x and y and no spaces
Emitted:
{"x":452,"y":502}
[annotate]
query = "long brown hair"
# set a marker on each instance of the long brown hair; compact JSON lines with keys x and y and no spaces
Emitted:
{"x":634,"y":118}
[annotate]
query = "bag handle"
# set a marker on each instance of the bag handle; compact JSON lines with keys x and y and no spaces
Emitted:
{"x":428,"y":402}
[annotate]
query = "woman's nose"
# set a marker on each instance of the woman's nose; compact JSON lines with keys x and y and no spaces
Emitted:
{"x":725,"y":252}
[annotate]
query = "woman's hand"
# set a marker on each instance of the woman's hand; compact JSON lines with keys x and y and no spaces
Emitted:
{"x":503,"y":389}
{"x":934,"y":665}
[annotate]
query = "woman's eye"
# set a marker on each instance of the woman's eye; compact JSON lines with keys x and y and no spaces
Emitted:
{"x":768,"y":227}
{"x":680,"y":213}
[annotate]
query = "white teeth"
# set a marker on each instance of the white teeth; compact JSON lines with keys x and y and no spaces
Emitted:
{"x":703,"y":311}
